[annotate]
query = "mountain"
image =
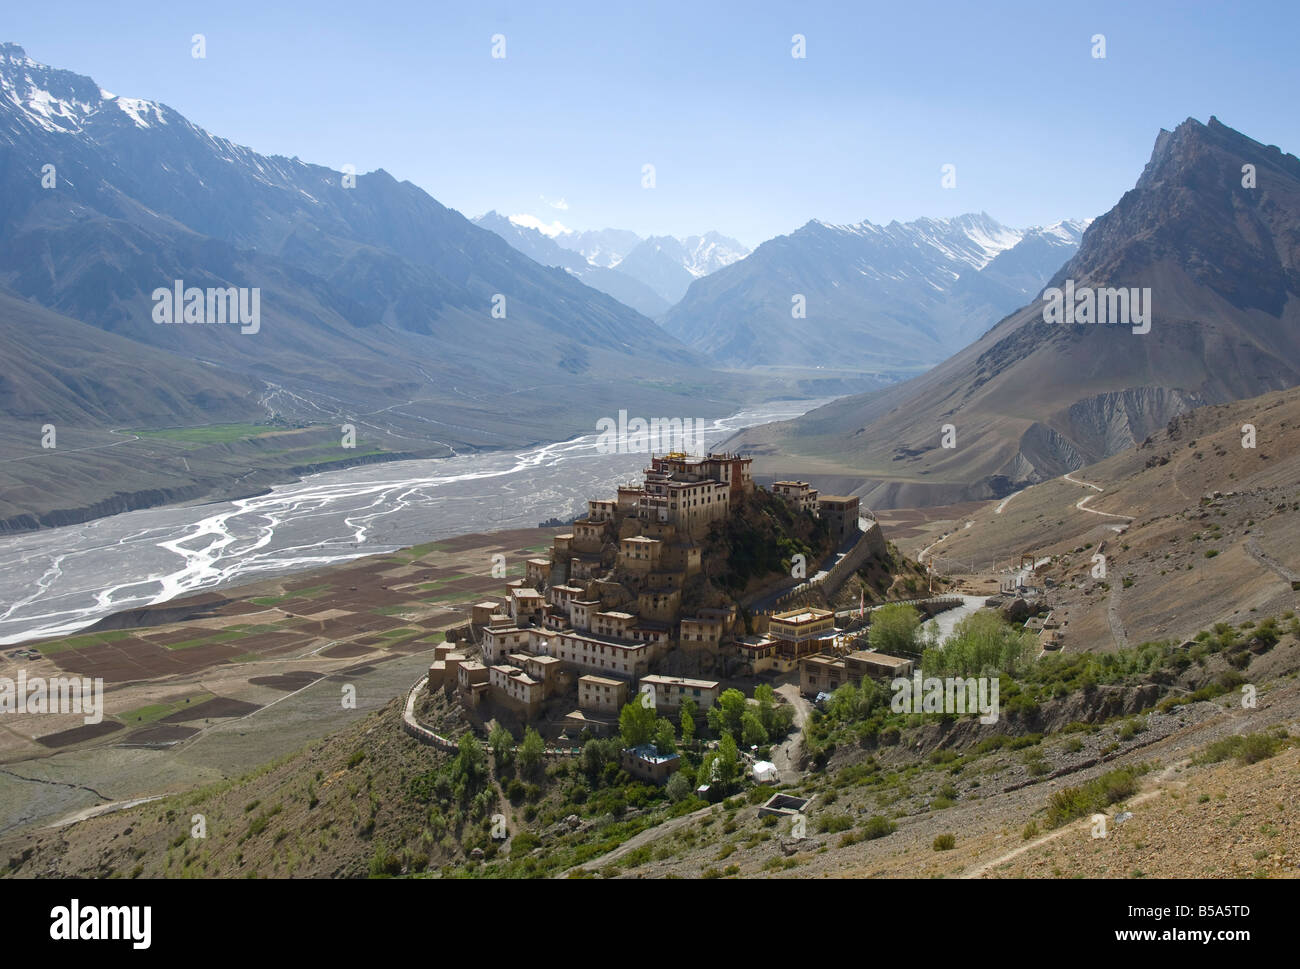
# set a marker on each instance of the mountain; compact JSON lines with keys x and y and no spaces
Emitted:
{"x":900,"y":296}
{"x":1032,"y":399}
{"x":99,"y":379}
{"x":600,"y":247}
{"x":372,"y":292}
{"x":669,"y":266}
{"x":665,"y":264}
{"x":376,"y":301}
{"x":543,"y":249}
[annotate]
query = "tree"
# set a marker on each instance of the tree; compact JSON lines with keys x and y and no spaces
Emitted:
{"x":531,"y":751}
{"x":687,"y":720}
{"x":728,"y":759}
{"x":752,"y":733}
{"x":594,"y":756}
{"x":636,"y":723}
{"x":725,"y":717}
{"x":470,"y":765}
{"x":752,"y":730}
{"x":502,"y":745}
{"x":678,"y":787}
{"x":981,"y":643}
{"x":664,"y":740}
{"x":766,"y":698}
{"x":894,"y":628}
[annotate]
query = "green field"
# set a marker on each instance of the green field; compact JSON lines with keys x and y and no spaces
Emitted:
{"x":80,"y":642}
{"x":210,"y":433}
{"x":156,"y":711}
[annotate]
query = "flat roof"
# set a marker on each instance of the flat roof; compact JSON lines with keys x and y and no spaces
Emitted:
{"x":487,"y":605}
{"x":802,"y":615}
{"x":837,"y":499}
{"x":601,"y":680}
{"x":871,"y":656}
{"x":603,"y":640}
{"x":650,"y":754}
{"x":680,"y":681}
{"x":822,"y":659}
{"x":617,"y":615}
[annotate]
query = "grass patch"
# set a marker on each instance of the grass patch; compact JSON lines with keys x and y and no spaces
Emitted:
{"x":153,"y":712}
{"x":1099,"y":793}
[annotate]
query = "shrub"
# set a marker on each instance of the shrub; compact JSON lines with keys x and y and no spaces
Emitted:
{"x":1100,"y":792}
{"x":834,"y":823}
{"x":878,"y":826}
{"x":945,"y":842}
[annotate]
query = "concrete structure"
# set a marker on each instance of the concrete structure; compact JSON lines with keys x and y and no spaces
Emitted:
{"x":514,"y":688}
{"x":801,"y":495}
{"x":757,"y":654}
{"x":821,"y":673}
{"x":481,"y":613}
{"x":601,"y":694}
{"x":648,"y":764}
{"x":670,"y":691}
{"x":603,"y":655}
{"x":866,"y":662}
{"x":840,"y":512}
{"x":801,"y":632}
{"x":729,"y":469}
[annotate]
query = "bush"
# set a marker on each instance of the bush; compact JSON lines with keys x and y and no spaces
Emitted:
{"x":1247,"y":749}
{"x":1100,"y":792}
{"x":945,"y":842}
{"x":878,"y":826}
{"x":834,"y":823}
{"x":678,"y":787}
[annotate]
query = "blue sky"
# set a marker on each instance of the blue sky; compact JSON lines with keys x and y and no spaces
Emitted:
{"x":744,"y":138}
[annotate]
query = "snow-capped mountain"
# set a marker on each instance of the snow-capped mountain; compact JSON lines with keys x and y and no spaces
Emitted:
{"x":894,"y":296}
{"x":665,"y":264}
{"x":372,"y":293}
{"x":1035,"y":399}
{"x":600,"y":247}
{"x":540,"y":246}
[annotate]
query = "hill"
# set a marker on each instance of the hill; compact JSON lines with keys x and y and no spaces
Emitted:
{"x":1032,"y":399}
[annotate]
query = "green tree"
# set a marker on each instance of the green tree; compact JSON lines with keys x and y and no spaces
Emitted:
{"x":636,"y":723}
{"x":687,"y":719}
{"x":894,"y":628}
{"x":530,"y":752}
{"x":678,"y":787}
{"x":664,"y":740}
{"x":470,"y":766}
{"x":728,"y":759}
{"x":725,"y":716}
{"x":502,"y":745}
{"x":983,"y":642}
{"x":752,"y":733}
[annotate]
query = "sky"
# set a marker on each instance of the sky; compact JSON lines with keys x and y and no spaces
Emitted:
{"x":744,"y":138}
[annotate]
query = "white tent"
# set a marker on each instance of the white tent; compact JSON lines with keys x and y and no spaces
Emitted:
{"x":764,"y":772}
